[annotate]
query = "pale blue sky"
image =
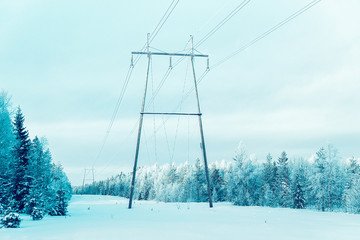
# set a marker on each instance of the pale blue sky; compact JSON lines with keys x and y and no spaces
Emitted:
{"x":65,"y":62}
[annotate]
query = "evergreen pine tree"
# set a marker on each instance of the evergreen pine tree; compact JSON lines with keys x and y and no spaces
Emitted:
{"x":185,"y":182}
{"x":200,"y":194}
{"x":319,"y":181}
{"x":29,"y":183}
{"x":21,"y":180}
{"x":6,"y":158}
{"x":230,"y":178}
{"x":275,"y":186}
{"x":352,"y":191}
{"x":284,"y":180}
{"x":327,"y":181}
{"x":298,"y":192}
{"x":267,"y":170}
{"x":40,"y":171}
{"x":246,"y":181}
{"x":218,"y":185}
{"x":268,"y":181}
{"x":57,"y":205}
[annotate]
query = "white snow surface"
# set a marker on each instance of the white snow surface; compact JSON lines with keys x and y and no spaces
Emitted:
{"x":106,"y":217}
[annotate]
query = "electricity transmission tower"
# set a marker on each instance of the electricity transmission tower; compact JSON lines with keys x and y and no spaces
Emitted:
{"x":89,"y":175}
{"x":192,"y":55}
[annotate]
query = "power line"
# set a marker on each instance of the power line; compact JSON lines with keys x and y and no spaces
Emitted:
{"x":212,"y":17}
{"x":150,"y":102}
{"x":177,"y":126}
{"x":163,"y":20}
{"x":213,"y":31}
{"x":167,"y":73}
{"x":252,"y":42}
{"x":157,"y":29}
{"x":222,"y":22}
{"x":110,"y":160}
{"x":117,"y":106}
{"x":159,"y":26}
{"x":153,"y":107}
{"x":263,"y":35}
{"x":154,"y":94}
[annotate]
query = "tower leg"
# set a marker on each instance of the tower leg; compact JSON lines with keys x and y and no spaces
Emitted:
{"x":139,"y":135}
{"x":202,"y":137}
{"x":135,"y":162}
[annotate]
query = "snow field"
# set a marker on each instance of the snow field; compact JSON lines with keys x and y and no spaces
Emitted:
{"x":107,"y":217}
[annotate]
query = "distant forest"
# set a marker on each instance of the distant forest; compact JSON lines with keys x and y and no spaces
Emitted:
{"x":326,"y":183}
{"x":29,"y":182}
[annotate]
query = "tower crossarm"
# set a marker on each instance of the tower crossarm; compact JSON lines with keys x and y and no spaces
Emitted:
{"x":171,"y":54}
{"x":172,"y":113}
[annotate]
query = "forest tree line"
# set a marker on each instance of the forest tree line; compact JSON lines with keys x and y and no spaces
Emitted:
{"x":29,"y":182}
{"x":326,"y":183}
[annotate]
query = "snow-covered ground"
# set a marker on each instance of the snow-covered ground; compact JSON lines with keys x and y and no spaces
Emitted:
{"x":106,"y":217}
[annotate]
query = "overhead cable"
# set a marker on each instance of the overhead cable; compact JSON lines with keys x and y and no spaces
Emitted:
{"x":157,"y":29}
{"x":222,"y":22}
{"x":118,"y":103}
{"x":263,"y":35}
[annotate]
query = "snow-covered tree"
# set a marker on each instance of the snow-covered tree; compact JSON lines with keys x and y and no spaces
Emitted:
{"x":319,"y":183}
{"x":199,"y":192}
{"x":270,"y":183}
{"x":327,"y":181}
{"x":37,"y":214}
{"x":28,"y":180}
{"x":247,"y":180}
{"x":298,"y":189}
{"x":6,"y":157}
{"x":57,"y":206}
{"x":284,"y":180}
{"x":11,"y":219}
{"x":39,"y":170}
{"x":352,"y":190}
{"x":217,"y":184}
{"x":21,"y":180}
{"x":282,"y":183}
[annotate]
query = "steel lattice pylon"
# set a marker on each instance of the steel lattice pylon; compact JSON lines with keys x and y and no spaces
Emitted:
{"x":142,"y":113}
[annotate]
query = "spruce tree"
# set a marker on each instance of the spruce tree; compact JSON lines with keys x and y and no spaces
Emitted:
{"x":319,"y":179}
{"x":40,"y":171}
{"x":352,"y":190}
{"x":275,"y":186}
{"x":29,"y":183}
{"x":199,"y":182}
{"x":327,"y":182}
{"x":21,"y":180}
{"x":267,"y":178}
{"x":185,"y":183}
{"x":284,"y":180}
{"x":298,"y":192}
{"x":62,"y":192}
{"x":267,"y":170}
{"x":6,"y":159}
{"x":218,"y":185}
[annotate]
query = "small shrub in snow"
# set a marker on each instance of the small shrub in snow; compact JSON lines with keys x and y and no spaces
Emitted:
{"x":30,"y":205}
{"x":37,"y":214}
{"x":60,"y":209}
{"x":11,"y":219}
